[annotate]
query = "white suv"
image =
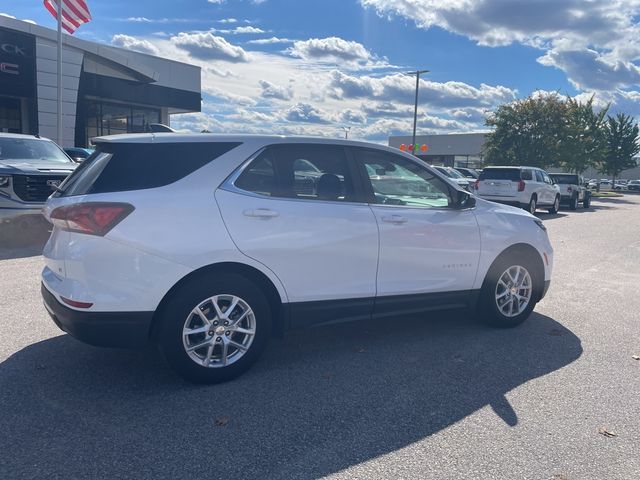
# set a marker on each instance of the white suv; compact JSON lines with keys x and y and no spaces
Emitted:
{"x":524,"y":187}
{"x":208,"y":245}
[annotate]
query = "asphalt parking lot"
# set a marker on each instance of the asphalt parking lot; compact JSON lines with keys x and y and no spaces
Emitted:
{"x":435,"y":397}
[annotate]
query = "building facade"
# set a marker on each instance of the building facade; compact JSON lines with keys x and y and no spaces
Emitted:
{"x":452,"y":150}
{"x":105,"y":90}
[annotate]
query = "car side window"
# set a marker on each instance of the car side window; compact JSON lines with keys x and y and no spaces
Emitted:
{"x":526,"y":175}
{"x":259,"y":177}
{"x":546,"y":178}
{"x":398,"y":181}
{"x":539,"y":177}
{"x":302,"y":171}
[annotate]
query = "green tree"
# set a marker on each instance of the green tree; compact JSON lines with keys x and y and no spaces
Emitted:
{"x":621,"y":134}
{"x":527,"y":132}
{"x":584,"y":141}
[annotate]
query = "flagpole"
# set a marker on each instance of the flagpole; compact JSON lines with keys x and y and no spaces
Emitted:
{"x":59,"y":4}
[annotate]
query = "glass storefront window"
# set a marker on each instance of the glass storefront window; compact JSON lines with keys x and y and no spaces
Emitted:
{"x":10,"y":121}
{"x":112,"y":119}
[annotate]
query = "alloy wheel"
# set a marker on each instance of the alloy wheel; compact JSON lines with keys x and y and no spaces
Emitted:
{"x":219,"y":331}
{"x":513,"y":291}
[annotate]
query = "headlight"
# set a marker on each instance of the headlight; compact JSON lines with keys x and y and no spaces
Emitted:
{"x":540,"y":224}
{"x":5,"y":181}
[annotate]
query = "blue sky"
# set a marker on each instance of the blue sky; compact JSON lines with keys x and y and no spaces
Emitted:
{"x":312,"y":67}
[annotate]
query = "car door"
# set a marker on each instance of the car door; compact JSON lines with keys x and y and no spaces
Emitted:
{"x":427,"y":247}
{"x":551,"y":190}
{"x":541,"y":189}
{"x":296,"y":208}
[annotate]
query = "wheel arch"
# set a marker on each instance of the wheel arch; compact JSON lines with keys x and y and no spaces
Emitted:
{"x":520,"y":249}
{"x":276,"y":302}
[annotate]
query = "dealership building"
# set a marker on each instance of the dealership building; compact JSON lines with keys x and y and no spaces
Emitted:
{"x":453,"y":150}
{"x":105,"y":90}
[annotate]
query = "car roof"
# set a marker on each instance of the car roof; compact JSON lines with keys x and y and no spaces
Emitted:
{"x":23,"y":136}
{"x":491,"y":167}
{"x":216,"y":137}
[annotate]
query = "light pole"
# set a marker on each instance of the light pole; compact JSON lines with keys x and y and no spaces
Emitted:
{"x":415,"y":108}
{"x":346,"y":132}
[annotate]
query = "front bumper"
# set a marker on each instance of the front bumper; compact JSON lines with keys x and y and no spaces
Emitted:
{"x":547,"y":284}
{"x":101,"y":329}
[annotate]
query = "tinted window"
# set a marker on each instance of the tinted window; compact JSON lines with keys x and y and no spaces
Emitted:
{"x":512,"y":174}
{"x":31,"y":149}
{"x":539,"y":177}
{"x":526,"y":175}
{"x":119,"y":167}
{"x":398,"y":181}
{"x":566,"y":179}
{"x":546,"y":178}
{"x":260,"y":176}
{"x":309,"y":172}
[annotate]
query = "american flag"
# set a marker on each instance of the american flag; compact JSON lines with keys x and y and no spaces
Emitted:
{"x":74,"y":13}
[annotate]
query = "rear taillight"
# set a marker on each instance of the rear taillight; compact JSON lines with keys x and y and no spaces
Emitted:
{"x":476,"y":185}
{"x":95,"y":218}
{"x":521,"y":186}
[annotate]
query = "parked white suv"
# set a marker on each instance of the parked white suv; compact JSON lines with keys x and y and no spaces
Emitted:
{"x":525,"y":187}
{"x":207,"y":244}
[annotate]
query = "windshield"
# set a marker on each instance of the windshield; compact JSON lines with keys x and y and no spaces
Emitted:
{"x":31,"y":149}
{"x":565,"y":179}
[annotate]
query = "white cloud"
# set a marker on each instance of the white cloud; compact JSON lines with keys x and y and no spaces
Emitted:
{"x":270,"y":90}
{"x":206,"y":46}
{"x":228,"y":20}
{"x":588,"y":69}
{"x":216,"y":2}
{"x":332,"y":49}
{"x":269,"y":41}
{"x":132,"y":43}
{"x":248,"y":29}
{"x":306,"y":113}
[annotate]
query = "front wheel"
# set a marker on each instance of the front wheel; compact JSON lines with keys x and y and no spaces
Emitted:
{"x":556,"y":206}
{"x":508,"y":294}
{"x":586,"y":203}
{"x":214,"y":328}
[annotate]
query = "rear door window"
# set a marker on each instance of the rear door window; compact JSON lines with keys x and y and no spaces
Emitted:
{"x":302,"y":171}
{"x":539,"y":177}
{"x":120,"y":167}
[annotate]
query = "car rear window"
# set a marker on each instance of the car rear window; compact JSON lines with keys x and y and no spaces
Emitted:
{"x":565,"y":179}
{"x":512,"y":174}
{"x":119,"y":167}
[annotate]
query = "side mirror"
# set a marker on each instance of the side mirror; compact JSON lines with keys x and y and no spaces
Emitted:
{"x":463,"y":200}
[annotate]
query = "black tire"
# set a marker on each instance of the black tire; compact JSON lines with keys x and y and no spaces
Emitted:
{"x":556,"y":206}
{"x":533,"y":205}
{"x":189,"y":296}
{"x":573,"y":204}
{"x":586,"y":203}
{"x":488,"y":310}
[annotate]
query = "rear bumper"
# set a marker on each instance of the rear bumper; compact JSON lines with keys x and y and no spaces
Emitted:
{"x":16,"y":215}
{"x":101,"y":329}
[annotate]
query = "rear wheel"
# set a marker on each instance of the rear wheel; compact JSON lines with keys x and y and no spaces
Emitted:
{"x":556,"y":205}
{"x":508,"y":294}
{"x":213,"y":329}
{"x":533,"y":205}
{"x":573,"y":204}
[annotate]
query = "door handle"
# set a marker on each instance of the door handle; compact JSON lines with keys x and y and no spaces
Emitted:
{"x":395,"y":219}
{"x":260,"y":213}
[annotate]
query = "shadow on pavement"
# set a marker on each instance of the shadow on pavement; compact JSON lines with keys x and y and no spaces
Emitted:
{"x":25,"y":239}
{"x":318,"y":402}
